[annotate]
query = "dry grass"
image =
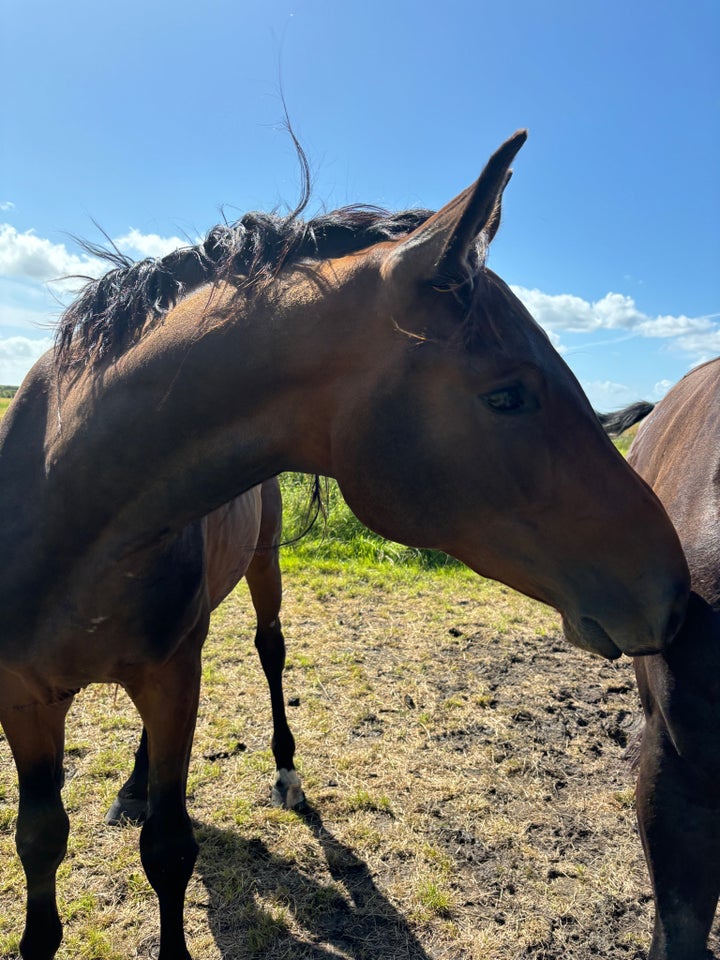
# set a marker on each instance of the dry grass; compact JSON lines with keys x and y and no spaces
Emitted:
{"x":464,"y":767}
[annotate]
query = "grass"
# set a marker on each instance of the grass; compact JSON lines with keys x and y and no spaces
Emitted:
{"x":624,"y":441}
{"x":334,"y":535}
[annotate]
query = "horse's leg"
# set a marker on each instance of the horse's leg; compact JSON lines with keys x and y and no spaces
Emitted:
{"x":678,"y":790}
{"x":36,"y":735}
{"x":167,"y":698}
{"x":679,"y":823}
{"x":130,"y":804}
{"x":265,"y":582}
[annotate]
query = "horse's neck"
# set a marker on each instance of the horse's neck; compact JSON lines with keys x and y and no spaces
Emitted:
{"x":206,"y":405}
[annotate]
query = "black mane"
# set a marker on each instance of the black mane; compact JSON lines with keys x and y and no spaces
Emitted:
{"x":111,"y":312}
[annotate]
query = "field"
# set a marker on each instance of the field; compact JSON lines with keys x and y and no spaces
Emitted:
{"x":468,"y":795}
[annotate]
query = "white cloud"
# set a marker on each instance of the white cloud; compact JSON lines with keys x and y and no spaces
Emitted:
{"x":702,"y":346}
{"x":565,"y":313}
{"x":148,"y":244}
{"x":660,"y":389}
{"x":608,"y":395}
{"x":27,"y":256}
{"x":558,"y":312}
{"x":17,"y":355}
{"x":33,"y":260}
{"x":29,"y":309}
{"x":7,"y":205}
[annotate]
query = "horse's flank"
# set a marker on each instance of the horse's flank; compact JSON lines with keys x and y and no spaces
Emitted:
{"x":688,"y":425}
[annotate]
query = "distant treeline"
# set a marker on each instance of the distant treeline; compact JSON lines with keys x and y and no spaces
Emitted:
{"x":7,"y":391}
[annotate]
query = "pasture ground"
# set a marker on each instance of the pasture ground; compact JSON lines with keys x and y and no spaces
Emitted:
{"x":469,"y":798}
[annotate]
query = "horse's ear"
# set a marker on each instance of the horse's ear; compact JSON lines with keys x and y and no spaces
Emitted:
{"x":440,"y":249}
{"x":493,"y":224}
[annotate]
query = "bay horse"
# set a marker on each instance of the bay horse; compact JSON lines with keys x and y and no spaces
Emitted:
{"x":374,"y":348}
{"x":677,"y":450}
{"x":226,"y":543}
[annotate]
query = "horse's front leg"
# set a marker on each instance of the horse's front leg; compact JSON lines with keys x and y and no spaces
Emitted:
{"x":130,"y":804}
{"x":36,"y":735}
{"x":167,"y":698}
{"x":678,"y":789}
{"x":679,"y":819}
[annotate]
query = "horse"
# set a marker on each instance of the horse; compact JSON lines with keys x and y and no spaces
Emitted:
{"x":130,"y":804}
{"x":375,"y":348}
{"x":677,"y":451}
{"x":240,"y":539}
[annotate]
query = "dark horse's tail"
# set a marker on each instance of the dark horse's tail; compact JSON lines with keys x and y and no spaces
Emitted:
{"x":616,"y":423}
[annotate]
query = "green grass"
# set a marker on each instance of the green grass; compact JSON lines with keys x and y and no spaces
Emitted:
{"x":334,"y":535}
{"x":434,"y":898}
{"x":624,"y":441}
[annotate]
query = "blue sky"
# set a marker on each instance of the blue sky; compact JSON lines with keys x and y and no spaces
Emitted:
{"x":152,"y":117}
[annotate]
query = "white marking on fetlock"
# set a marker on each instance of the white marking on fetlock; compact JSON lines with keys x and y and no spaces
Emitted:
{"x":287,"y":789}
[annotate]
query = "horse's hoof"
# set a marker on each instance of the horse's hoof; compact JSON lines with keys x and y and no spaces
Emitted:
{"x":287,"y":792}
{"x":126,"y":812}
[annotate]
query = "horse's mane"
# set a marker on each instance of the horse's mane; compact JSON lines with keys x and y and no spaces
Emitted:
{"x":111,"y":312}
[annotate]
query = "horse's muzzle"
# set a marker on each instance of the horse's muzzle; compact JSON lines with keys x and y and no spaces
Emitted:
{"x":587,"y":634}
{"x":636,"y":636}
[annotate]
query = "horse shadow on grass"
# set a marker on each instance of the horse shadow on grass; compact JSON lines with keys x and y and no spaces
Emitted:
{"x":348,"y":916}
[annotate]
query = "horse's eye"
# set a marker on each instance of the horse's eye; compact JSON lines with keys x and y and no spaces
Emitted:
{"x":506,"y":400}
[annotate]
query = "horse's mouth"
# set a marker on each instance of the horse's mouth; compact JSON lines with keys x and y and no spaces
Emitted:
{"x":587,"y":634}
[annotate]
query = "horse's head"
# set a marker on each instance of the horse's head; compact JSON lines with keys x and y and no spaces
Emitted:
{"x":467,"y":432}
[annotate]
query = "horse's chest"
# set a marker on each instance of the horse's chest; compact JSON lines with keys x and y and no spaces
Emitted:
{"x":134,"y":610}
{"x":170,"y":595}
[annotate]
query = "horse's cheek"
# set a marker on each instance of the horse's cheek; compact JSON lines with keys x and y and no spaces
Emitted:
{"x":389,"y":470}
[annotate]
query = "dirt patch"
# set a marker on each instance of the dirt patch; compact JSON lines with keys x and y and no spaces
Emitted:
{"x":464,"y":767}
